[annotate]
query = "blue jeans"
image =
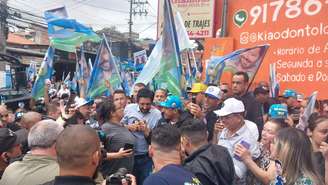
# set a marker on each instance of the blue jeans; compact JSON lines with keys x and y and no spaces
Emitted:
{"x":143,"y":166}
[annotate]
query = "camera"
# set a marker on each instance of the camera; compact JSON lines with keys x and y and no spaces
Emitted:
{"x":117,"y":177}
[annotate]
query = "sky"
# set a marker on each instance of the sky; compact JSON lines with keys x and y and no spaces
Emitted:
{"x":98,"y":13}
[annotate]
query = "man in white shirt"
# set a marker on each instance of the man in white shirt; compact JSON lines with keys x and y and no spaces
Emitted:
{"x":237,"y":130}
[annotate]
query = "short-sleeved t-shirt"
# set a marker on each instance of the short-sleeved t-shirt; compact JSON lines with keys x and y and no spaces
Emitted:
{"x":172,"y":175}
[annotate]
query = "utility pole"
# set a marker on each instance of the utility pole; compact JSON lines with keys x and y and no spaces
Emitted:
{"x":3,"y":25}
{"x":137,"y":7}
{"x":130,"y":31}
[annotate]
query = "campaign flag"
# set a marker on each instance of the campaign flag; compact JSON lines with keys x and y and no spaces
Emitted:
{"x":83,"y":71}
{"x":247,"y":60}
{"x":128,"y":81}
{"x":308,"y":110}
{"x":214,"y":70}
{"x":152,"y":66}
{"x":45,"y":73}
{"x":163,"y":67}
{"x":186,"y":50}
{"x":140,"y":58}
{"x":170,"y":73}
{"x":64,"y":33}
{"x":274,"y":84}
{"x":183,"y":38}
{"x":105,"y":76}
{"x":31,"y":71}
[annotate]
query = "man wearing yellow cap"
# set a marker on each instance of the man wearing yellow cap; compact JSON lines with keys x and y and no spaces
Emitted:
{"x":197,"y":100}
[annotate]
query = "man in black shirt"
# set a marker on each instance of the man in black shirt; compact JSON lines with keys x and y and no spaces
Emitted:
{"x":240,"y":83}
{"x":211,"y":163}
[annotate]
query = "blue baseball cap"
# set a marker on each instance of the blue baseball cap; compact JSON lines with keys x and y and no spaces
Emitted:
{"x":278,"y":111}
{"x":290,"y":93}
{"x":172,"y":102}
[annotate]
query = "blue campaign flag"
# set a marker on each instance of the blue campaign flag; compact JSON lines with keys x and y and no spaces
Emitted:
{"x":83,"y":72}
{"x":152,"y":66}
{"x":31,"y":72}
{"x":66,"y":34}
{"x":246,"y":60}
{"x":45,"y":73}
{"x":214,"y":70}
{"x":105,"y":76}
{"x":170,"y":73}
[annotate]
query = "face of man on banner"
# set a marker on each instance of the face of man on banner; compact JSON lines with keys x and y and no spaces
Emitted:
{"x":143,"y":60}
{"x":105,"y":63}
{"x":248,"y":59}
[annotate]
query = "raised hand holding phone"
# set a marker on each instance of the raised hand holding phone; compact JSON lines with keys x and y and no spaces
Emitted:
{"x":242,"y":151}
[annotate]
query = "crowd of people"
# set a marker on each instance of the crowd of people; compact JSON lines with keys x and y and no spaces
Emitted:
{"x":220,"y":134}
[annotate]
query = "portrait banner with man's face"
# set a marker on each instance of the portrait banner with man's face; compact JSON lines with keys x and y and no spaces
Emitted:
{"x":105,"y":76}
{"x":83,"y":71}
{"x":246,"y":60}
{"x":140,"y":59}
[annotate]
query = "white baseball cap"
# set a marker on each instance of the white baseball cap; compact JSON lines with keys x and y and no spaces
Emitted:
{"x":230,"y":106}
{"x":79,"y":102}
{"x":214,"y":92}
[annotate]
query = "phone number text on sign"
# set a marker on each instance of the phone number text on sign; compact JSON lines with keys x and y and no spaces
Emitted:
{"x":198,"y":33}
{"x":293,"y":9}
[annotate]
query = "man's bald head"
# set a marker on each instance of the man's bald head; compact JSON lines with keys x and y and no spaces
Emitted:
{"x":75,"y":147}
{"x":29,"y":119}
{"x":4,"y":118}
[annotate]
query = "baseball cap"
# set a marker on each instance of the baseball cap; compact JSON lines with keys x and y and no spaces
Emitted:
{"x":290,"y":93}
{"x":214,"y":92}
{"x":172,"y":102}
{"x":300,"y":97}
{"x":261,"y":90}
{"x":9,"y":139}
{"x":198,"y":87}
{"x":230,"y":106}
{"x":278,"y":111}
{"x":79,"y":102}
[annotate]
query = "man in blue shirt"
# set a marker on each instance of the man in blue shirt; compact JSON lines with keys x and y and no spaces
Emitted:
{"x":165,"y":151}
{"x":140,"y":119}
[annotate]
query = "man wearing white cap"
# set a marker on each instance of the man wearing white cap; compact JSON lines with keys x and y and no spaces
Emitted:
{"x":83,"y":106}
{"x":213,"y":101}
{"x":237,"y":130}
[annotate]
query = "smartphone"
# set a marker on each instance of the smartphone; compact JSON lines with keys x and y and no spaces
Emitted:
{"x":246,"y":145}
{"x":128,"y":146}
{"x":193,"y":98}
